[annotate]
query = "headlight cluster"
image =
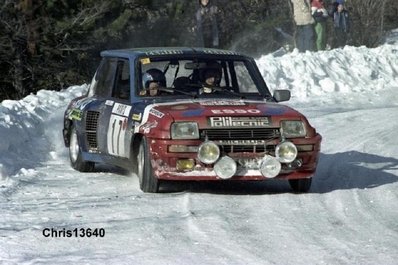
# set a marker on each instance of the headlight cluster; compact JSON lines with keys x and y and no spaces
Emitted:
{"x":225,"y":167}
{"x":292,"y":129}
{"x":184,"y":130}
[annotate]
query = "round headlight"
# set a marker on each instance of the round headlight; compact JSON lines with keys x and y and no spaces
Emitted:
{"x":225,"y":168}
{"x":208,"y":152}
{"x":286,"y":152}
{"x":270,"y":167}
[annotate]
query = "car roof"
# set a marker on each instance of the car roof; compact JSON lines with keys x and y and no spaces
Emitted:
{"x":167,"y":51}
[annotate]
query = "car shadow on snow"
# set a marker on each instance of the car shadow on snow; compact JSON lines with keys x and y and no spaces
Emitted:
{"x":340,"y":171}
{"x":353,"y":170}
{"x":233,"y":187}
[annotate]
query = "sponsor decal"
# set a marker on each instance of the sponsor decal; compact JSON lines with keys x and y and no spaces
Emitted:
{"x":235,"y":111}
{"x":76,"y":114}
{"x":241,"y":142}
{"x":220,"y":122}
{"x":156,"y":113}
{"x":165,"y":52}
{"x":137,"y":116}
{"x":109,"y":102}
{"x":215,"y":51}
{"x":222,"y":103}
{"x":145,"y":61}
{"x":121,"y":109}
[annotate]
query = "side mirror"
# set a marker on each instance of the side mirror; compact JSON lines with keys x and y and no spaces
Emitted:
{"x":281,"y":95}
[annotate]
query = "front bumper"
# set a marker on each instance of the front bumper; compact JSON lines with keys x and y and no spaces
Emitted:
{"x":164,"y":162}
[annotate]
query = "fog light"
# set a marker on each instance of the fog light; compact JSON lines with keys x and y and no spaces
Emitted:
{"x":185,"y":164}
{"x":208,"y":152}
{"x":270,"y":167}
{"x":286,"y":152}
{"x":225,"y":168}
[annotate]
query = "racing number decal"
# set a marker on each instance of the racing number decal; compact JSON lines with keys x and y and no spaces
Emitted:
{"x":117,"y":130}
{"x":116,"y":133}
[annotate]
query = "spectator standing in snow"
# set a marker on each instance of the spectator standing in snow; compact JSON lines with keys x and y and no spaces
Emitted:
{"x":341,"y":24}
{"x":320,"y":15}
{"x":207,"y":27}
{"x":304,"y":25}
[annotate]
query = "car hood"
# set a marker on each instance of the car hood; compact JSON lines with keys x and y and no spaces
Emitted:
{"x":201,"y":110}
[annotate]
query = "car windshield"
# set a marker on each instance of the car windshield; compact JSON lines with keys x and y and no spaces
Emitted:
{"x":198,"y":77}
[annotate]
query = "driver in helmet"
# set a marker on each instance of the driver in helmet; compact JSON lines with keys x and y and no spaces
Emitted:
{"x":153,"y":80}
{"x":211,"y":78}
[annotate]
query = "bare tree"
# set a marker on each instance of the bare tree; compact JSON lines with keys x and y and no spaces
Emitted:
{"x":367,"y":21}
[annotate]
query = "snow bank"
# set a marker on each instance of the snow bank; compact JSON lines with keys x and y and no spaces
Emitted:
{"x":350,"y":75}
{"x":22,"y":124}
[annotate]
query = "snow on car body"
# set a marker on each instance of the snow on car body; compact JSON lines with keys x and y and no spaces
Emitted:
{"x":234,"y":129}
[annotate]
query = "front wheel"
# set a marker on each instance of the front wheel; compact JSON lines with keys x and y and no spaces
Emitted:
{"x":75,"y":154}
{"x":148,"y":182}
{"x":300,"y":185}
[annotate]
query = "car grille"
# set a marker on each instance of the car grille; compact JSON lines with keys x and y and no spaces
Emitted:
{"x":251,"y":140}
{"x":91,"y":129}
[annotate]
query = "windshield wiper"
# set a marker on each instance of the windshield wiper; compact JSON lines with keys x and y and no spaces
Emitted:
{"x":233,"y":93}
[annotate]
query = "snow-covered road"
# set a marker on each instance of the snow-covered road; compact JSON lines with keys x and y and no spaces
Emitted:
{"x":349,"y":217}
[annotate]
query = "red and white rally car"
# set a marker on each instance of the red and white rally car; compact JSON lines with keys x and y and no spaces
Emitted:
{"x":189,"y":114}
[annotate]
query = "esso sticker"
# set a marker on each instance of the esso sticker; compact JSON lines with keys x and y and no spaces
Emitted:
{"x":235,"y":111}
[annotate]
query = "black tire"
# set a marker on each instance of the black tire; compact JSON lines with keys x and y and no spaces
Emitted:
{"x":148,"y":182}
{"x":75,"y":154}
{"x":300,"y":185}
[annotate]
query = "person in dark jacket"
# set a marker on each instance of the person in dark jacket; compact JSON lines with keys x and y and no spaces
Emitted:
{"x":207,"y":27}
{"x":341,"y":26}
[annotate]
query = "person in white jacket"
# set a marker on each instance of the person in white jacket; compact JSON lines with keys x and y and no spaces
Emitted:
{"x":304,"y":21}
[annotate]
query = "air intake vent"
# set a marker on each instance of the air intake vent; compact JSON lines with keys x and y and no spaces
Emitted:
{"x":241,"y":134}
{"x":248,"y":140}
{"x":91,"y":129}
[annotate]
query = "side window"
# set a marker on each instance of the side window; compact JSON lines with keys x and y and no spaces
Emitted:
{"x":121,"y":89}
{"x":105,"y":77}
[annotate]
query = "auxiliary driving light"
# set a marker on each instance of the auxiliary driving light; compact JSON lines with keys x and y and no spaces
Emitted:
{"x":185,"y":164}
{"x":270,"y":167}
{"x":286,"y":152}
{"x":225,"y":168}
{"x":208,"y":152}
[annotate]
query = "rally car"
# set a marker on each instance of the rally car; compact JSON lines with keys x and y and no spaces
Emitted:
{"x":189,"y":114}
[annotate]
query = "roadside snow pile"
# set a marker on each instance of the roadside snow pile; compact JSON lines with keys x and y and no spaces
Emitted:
{"x":22,"y":127}
{"x":352,"y":75}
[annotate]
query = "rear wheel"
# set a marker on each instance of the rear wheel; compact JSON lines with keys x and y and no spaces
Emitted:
{"x":75,"y":154}
{"x":300,"y":185}
{"x":148,"y":182}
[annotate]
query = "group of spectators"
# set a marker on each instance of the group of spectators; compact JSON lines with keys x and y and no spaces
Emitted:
{"x":311,"y":18}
